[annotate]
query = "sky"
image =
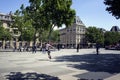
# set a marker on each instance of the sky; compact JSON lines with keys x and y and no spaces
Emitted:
{"x":91,"y":12}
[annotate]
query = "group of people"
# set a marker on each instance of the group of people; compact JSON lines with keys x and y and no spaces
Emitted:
{"x":45,"y":48}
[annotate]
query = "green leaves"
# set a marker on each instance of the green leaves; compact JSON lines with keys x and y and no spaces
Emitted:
{"x":112,"y":38}
{"x":113,"y":7}
{"x":94,"y":35}
{"x":44,"y":15}
{"x":28,"y":34}
{"x":4,"y":34}
{"x":59,"y":12}
{"x":55,"y":36}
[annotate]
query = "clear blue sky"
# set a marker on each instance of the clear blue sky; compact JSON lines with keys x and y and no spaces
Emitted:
{"x":91,"y":12}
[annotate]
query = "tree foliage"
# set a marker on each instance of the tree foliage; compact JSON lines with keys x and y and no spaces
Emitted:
{"x":4,"y":34}
{"x":28,"y":34}
{"x":43,"y":16}
{"x":113,"y":7}
{"x":35,"y":13}
{"x":23,"y":24}
{"x":58,"y":12}
{"x":18,"y":22}
{"x":94,"y":35}
{"x":111,"y":38}
{"x":55,"y":36}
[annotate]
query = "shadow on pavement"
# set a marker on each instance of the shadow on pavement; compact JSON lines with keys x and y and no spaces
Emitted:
{"x":96,"y":63}
{"x":29,"y":76}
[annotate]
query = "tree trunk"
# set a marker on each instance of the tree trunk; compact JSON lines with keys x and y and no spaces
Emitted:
{"x":34,"y":39}
{"x":49,"y":35}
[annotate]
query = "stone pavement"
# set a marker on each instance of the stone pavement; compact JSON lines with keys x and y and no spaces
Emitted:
{"x":66,"y":64}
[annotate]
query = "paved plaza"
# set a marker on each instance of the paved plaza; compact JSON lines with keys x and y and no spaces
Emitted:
{"x":65,"y":64}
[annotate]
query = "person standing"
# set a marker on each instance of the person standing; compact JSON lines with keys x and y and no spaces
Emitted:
{"x":78,"y":47}
{"x":34,"y":49}
{"x":15,"y":47}
{"x":58,"y":47}
{"x":97,"y":48}
{"x":44,"y":48}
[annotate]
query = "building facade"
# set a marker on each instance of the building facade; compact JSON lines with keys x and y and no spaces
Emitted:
{"x":6,"y":20}
{"x":73,"y":35}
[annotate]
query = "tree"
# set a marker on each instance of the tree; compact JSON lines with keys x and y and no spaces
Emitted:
{"x":111,"y":38}
{"x":113,"y":7}
{"x":94,"y":35}
{"x":55,"y":36}
{"x":18,"y":22}
{"x":4,"y":33}
{"x":1,"y":33}
{"x":35,"y":13}
{"x":58,"y":12}
{"x":46,"y":14}
{"x":28,"y":34}
{"x":23,"y":24}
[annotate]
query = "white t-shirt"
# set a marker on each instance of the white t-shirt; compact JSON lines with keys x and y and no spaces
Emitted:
{"x":47,"y":46}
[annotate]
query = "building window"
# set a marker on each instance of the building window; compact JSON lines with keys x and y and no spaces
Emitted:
{"x":1,"y":17}
{"x":74,"y":29}
{"x":77,"y":29}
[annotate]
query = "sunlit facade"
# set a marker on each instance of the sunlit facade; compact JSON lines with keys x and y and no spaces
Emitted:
{"x":6,"y":21}
{"x":74,"y":34}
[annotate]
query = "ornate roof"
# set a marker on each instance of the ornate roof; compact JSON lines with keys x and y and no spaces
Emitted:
{"x":115,"y":28}
{"x":78,"y":21}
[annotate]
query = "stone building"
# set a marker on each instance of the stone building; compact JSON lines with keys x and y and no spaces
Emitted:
{"x":73,"y":35}
{"x":6,"y":21}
